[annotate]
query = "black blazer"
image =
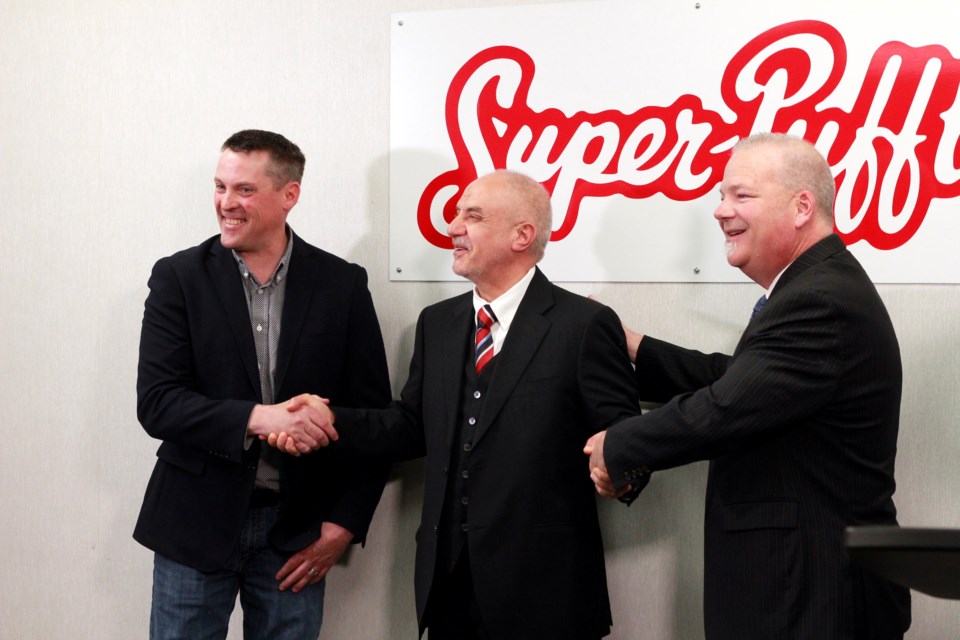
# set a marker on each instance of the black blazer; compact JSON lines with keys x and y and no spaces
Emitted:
{"x":198,"y":382}
{"x":534,"y":540}
{"x":800,"y":425}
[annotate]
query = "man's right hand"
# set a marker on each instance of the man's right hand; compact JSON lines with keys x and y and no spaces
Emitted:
{"x":307,"y":424}
{"x":633,"y":342}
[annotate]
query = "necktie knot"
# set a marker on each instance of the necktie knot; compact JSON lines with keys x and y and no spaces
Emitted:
{"x":484,"y":345}
{"x":485,"y":317}
{"x":756,"y":308}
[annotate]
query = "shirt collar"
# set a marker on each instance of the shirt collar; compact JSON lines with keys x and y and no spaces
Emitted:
{"x":776,"y":280}
{"x":505,"y":307}
{"x":279,"y":273}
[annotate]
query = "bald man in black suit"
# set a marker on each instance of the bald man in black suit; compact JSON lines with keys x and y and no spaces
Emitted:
{"x":509,"y":544}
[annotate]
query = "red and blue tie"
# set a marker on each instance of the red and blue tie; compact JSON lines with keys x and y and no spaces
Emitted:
{"x":484,"y":350}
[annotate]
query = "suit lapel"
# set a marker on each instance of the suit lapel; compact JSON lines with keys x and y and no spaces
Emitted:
{"x":225,"y":274}
{"x":822,"y":250}
{"x":816,"y":254}
{"x":303,"y":278}
{"x":527,"y":332}
{"x":454,"y":343}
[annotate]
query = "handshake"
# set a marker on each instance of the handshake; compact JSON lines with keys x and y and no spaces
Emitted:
{"x":598,"y":468}
{"x":302,"y":424}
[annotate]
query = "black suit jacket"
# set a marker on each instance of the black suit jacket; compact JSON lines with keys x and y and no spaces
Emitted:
{"x":198,"y":382}
{"x":800,"y":425}
{"x":534,"y":539}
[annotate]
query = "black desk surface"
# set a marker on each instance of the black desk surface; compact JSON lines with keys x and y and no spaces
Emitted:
{"x":927,"y":560}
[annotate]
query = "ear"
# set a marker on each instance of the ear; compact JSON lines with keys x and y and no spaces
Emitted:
{"x":524,"y":235}
{"x":291,"y":195}
{"x":805,"y":208}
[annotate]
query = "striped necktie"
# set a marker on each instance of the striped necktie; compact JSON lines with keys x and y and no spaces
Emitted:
{"x":484,"y":350}
{"x":756,"y":308}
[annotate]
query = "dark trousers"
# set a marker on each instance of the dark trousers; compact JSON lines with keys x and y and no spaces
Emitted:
{"x":452,"y":612}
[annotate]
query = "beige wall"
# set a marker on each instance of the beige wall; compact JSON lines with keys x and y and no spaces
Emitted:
{"x":111,"y":114}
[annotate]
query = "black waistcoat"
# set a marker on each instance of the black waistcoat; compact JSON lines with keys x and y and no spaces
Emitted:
{"x":455,"y":523}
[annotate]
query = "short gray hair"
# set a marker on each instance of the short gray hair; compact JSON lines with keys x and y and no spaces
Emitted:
{"x":802,"y":167}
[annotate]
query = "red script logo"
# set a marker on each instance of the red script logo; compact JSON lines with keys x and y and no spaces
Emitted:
{"x":892,"y":153}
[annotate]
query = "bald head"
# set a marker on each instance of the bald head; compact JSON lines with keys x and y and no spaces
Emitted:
{"x":524,"y":201}
{"x":500,"y":231}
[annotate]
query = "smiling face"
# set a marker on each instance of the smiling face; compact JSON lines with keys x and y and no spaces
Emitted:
{"x":494,"y":231}
{"x":482,"y":233}
{"x":251,"y":208}
{"x":759,"y":215}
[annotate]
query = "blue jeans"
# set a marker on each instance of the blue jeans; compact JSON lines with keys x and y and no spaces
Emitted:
{"x":192,"y":605}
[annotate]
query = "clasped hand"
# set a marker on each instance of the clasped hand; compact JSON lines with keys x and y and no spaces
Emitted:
{"x":598,"y":468}
{"x":306,"y":426}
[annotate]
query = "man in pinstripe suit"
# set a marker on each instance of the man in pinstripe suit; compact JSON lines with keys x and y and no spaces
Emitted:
{"x":799,"y":424}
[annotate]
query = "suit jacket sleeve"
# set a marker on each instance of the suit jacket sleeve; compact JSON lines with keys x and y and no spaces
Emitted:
{"x":396,"y":432}
{"x":169,"y":405}
{"x":665,"y":370}
{"x":365,"y":383}
{"x":784,"y":371}
{"x":604,"y":372}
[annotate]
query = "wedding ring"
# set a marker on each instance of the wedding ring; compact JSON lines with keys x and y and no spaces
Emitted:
{"x":312,"y":572}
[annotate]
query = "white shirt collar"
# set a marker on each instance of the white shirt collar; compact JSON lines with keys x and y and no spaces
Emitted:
{"x":504,"y":307}
{"x":775,"y":281}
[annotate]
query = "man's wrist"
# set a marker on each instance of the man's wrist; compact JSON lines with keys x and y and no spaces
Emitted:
{"x":330,"y":529}
{"x":256,"y":422}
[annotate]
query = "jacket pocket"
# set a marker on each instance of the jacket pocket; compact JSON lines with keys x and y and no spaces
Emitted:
{"x":191,"y":463}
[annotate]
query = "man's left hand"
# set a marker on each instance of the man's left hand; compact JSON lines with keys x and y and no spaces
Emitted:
{"x":309,"y":566}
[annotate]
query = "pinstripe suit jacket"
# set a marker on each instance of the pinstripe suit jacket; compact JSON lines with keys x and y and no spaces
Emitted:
{"x":800,"y":427}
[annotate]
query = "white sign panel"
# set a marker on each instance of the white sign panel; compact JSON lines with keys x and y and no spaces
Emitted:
{"x":626,"y":112}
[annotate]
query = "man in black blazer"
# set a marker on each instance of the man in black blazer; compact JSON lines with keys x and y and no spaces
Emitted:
{"x":799,"y":424}
{"x":231,"y":329}
{"x":509,"y":544}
